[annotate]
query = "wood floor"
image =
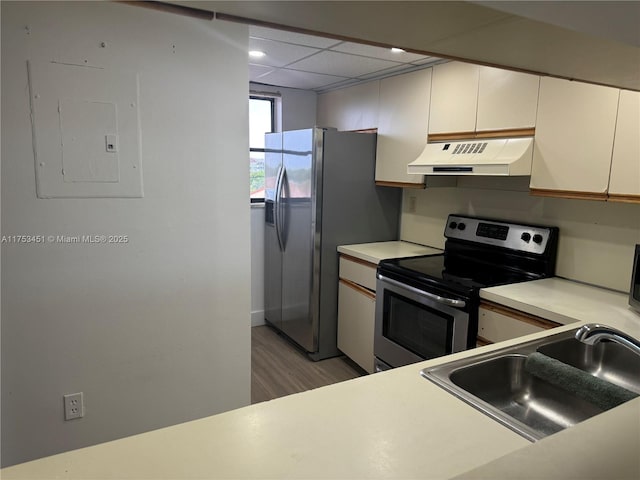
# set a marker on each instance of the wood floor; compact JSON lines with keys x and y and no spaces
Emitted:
{"x":279,"y":369}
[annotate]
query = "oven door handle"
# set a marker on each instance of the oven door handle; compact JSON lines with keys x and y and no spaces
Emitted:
{"x":452,"y":302}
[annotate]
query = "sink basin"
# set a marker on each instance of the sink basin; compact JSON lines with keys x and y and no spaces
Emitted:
{"x":498,"y":384}
{"x":504,"y":384}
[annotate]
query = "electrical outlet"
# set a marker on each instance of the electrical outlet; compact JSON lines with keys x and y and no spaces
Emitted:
{"x":73,"y":406}
{"x":411,"y":207}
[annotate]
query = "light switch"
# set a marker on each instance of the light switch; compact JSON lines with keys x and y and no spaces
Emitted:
{"x":111,"y":143}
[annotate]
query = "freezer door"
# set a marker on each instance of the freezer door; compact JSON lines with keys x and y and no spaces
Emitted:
{"x":272,"y":250}
{"x":299,"y":237}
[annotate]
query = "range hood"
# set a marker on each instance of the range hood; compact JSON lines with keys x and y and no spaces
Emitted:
{"x":491,"y":156}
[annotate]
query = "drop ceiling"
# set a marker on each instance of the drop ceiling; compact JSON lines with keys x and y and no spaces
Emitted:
{"x":561,"y":39}
{"x":310,"y":62}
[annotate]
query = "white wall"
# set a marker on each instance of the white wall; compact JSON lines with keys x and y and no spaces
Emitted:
{"x":257,"y":264}
{"x":596,"y":238}
{"x":353,"y":108}
{"x":297,"y":110}
{"x":155,"y":331}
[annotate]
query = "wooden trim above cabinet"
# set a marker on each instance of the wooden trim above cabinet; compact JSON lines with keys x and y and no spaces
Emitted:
{"x":443,"y":137}
{"x":381,"y":183}
{"x":518,"y":315}
{"x":541,"y":192}
{"x":508,"y":133}
{"x":364,"y":291}
{"x":617,"y":197}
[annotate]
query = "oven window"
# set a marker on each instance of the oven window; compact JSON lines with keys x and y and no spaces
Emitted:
{"x":425,"y":331}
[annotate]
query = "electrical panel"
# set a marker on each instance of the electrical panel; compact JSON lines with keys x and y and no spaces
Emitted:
{"x":86,"y":133}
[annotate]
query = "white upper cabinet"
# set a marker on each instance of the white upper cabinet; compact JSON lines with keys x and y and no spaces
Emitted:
{"x":469,"y":98}
{"x":506,"y":100}
{"x":455,"y":98}
{"x":353,"y":108}
{"x":574,"y":138}
{"x":402,"y":125}
{"x":625,"y":164}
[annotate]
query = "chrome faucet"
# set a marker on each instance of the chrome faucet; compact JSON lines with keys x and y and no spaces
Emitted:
{"x":593,"y":333}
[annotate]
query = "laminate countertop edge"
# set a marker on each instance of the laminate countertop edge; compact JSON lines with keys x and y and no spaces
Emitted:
{"x":378,"y":251}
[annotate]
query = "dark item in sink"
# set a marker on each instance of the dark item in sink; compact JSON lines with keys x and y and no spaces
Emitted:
{"x":594,"y":390}
{"x":605,"y":360}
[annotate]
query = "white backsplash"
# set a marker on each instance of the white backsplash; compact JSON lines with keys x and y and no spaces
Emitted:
{"x":596,"y":238}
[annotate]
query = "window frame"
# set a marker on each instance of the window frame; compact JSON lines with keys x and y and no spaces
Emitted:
{"x":272,"y":101}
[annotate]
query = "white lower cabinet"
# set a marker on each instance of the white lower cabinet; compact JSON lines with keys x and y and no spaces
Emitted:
{"x":356,"y":311}
{"x":497,"y":323}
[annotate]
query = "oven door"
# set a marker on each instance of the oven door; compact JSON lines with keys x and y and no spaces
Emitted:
{"x":413,"y":325}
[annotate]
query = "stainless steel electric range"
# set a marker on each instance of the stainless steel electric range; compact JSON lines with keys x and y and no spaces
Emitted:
{"x":427,"y":306}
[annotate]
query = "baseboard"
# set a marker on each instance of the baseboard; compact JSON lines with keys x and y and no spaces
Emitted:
{"x":257,"y":318}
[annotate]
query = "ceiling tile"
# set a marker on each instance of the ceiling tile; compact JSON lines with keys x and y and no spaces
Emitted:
{"x":255,"y":71}
{"x":279,"y":54}
{"x":290,"y":37}
{"x":295,"y":79}
{"x":377,"y":52}
{"x":341,"y":64}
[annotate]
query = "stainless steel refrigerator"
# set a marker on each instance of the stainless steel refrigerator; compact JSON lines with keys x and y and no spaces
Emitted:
{"x":320,"y":193}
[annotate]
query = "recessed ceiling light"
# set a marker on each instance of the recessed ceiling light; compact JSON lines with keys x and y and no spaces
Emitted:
{"x":256,"y":53}
{"x":397,"y":50}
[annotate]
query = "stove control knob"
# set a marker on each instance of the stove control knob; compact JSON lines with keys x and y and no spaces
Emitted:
{"x":453,"y":225}
{"x":461,"y":226}
{"x":526,"y":236}
{"x":537,"y":238}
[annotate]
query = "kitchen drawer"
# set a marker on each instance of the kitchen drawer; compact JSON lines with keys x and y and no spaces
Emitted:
{"x":497,"y":323}
{"x":358,"y":271}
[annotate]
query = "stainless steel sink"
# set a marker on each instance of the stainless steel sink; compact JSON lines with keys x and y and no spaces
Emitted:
{"x":497,"y":383}
{"x":606,"y":360}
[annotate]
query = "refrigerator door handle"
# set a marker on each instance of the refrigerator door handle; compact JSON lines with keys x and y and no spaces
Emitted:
{"x":282,"y":218}
{"x":277,"y":207}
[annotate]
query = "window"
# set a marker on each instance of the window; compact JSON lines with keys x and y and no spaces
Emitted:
{"x":261,"y":121}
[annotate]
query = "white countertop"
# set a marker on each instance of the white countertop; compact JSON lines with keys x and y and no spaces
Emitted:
{"x":393,"y":424}
{"x":389,"y":425}
{"x":374,"y":252}
{"x":564,"y":301}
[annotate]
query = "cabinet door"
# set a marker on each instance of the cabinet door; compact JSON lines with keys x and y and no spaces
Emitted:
{"x":506,"y":100}
{"x":574,"y":138}
{"x":625,"y":164}
{"x":356,"y":318}
{"x":454,"y":98}
{"x":402,"y":125}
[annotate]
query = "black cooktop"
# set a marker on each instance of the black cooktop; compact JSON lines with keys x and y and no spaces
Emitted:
{"x":449,"y":272}
{"x":479,"y":253}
